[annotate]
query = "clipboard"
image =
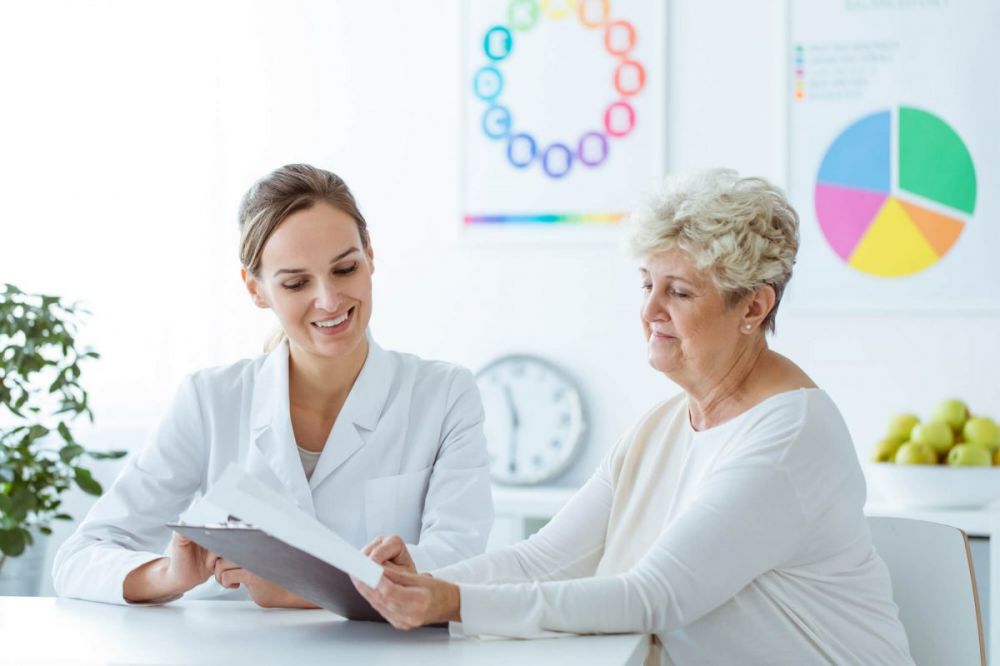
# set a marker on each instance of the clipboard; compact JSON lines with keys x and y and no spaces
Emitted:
{"x":295,"y":570}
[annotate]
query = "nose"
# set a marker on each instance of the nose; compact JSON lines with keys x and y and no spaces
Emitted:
{"x":651,"y":310}
{"x":327,"y":298}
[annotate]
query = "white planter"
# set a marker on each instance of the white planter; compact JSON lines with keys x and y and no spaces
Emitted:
{"x":22,"y":576}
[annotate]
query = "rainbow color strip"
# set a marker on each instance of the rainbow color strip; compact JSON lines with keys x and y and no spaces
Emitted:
{"x":547,"y":218}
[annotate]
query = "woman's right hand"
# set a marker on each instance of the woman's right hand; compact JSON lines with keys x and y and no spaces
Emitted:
{"x":187,"y":566}
{"x":190,"y":565}
{"x":390,"y":551}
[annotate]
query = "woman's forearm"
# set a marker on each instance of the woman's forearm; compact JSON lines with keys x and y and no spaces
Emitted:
{"x":150,"y":583}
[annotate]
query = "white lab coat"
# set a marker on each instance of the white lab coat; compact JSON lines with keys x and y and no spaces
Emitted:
{"x":406,"y":456}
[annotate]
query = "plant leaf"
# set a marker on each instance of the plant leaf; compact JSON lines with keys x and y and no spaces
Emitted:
{"x":12,"y":542}
{"x":86,"y":481}
{"x":107,"y":455}
{"x":21,"y":502}
{"x":70,"y":452}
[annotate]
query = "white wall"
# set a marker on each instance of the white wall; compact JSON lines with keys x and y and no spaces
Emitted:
{"x":127,"y":200}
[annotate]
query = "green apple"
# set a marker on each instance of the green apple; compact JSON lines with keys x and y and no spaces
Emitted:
{"x":982,"y":431}
{"x":900,"y":427}
{"x":915,"y":453}
{"x":885,"y":450}
{"x":953,"y":412}
{"x":969,"y":455}
{"x":935,"y":434}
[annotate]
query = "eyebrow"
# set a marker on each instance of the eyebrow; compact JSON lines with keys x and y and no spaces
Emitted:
{"x":332,"y":261}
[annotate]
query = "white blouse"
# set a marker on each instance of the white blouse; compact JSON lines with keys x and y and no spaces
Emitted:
{"x":741,"y":544}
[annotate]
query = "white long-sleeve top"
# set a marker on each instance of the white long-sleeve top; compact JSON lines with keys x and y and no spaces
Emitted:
{"x":741,"y":544}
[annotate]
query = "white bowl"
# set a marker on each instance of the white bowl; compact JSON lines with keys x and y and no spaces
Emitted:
{"x":933,"y":486}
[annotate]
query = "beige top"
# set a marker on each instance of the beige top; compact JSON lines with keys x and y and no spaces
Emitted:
{"x":309,"y":460}
{"x":741,"y":544}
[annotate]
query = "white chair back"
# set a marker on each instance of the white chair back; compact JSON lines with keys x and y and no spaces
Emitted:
{"x":934,"y":585}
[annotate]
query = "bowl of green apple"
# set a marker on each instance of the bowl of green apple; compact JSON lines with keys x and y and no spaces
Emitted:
{"x":948,"y":461}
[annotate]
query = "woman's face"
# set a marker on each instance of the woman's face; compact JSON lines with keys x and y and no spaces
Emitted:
{"x":688,"y":327}
{"x":317,"y":277}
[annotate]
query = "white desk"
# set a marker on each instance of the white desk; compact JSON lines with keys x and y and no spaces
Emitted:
{"x":46,"y":630}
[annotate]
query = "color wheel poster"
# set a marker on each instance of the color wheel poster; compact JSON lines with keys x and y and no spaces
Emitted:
{"x":563,"y":123}
{"x":894,"y":153}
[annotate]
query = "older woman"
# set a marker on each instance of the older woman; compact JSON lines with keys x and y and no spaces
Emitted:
{"x":728,"y":521}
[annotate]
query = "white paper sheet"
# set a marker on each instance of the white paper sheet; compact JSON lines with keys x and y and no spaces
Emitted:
{"x":238,"y":494}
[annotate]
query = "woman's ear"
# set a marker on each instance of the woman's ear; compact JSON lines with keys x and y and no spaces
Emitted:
{"x":253,"y":287}
{"x":371,"y":259}
{"x":760,"y":305}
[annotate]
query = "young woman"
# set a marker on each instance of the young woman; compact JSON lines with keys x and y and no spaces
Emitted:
{"x":366,"y":440}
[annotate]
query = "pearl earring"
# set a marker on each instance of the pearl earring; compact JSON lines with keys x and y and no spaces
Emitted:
{"x":747,"y":328}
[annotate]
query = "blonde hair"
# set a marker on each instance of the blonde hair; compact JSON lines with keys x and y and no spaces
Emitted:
{"x":284,"y":191}
{"x":742,"y":230}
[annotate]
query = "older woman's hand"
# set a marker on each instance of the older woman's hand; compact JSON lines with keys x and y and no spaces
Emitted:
{"x":390,"y":551}
{"x":408,"y":601}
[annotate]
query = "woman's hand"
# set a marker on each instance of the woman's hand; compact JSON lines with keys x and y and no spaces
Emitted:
{"x":390,"y":552}
{"x":190,"y":564}
{"x":263,"y":592}
{"x":408,"y":600}
{"x":186,"y":566}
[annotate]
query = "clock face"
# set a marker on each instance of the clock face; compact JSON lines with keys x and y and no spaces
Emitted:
{"x":534,"y":418}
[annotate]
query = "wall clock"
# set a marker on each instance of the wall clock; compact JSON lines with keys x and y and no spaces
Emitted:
{"x":535,"y":418}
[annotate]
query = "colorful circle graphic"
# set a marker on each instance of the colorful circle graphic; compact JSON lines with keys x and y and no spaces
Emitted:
{"x":556,"y":159}
{"x":894,"y":192}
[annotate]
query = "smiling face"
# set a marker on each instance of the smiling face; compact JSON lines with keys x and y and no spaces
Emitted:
{"x":690,"y":329}
{"x":317,"y":277}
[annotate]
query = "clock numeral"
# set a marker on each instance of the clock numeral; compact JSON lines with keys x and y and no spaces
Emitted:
{"x":558,"y":394}
{"x":538,"y":461}
{"x":555,"y":443}
{"x":565,"y":418}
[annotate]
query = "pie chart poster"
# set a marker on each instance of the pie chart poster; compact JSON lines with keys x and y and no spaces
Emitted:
{"x":894,"y":153}
{"x":563,"y":113}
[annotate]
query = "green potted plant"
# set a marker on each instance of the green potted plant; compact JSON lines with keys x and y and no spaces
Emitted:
{"x":40,"y":395}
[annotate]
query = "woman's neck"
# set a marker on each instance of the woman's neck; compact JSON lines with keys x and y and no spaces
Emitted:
{"x":320,"y":385}
{"x":728,"y":392}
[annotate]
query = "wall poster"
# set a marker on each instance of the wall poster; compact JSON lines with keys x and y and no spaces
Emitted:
{"x":564,"y":113}
{"x":894,"y":153}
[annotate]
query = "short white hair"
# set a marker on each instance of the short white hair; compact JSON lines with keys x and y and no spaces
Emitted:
{"x":742,"y":231}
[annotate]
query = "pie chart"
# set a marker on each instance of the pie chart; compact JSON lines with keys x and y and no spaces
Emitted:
{"x":894,"y":192}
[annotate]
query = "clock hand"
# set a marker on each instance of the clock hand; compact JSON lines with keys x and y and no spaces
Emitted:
{"x":515,"y":422}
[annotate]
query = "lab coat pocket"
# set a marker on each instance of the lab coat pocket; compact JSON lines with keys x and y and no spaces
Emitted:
{"x":395,"y":504}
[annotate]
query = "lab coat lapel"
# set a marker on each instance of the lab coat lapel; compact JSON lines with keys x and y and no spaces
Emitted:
{"x":359,"y":415}
{"x":272,"y":438}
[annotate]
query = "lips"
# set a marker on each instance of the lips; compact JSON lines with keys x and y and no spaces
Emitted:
{"x":334,"y":324}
